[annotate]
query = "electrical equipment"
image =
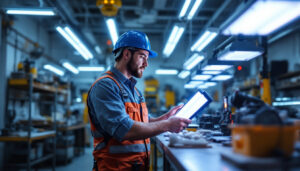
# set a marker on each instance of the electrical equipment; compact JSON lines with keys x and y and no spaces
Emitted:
{"x":252,"y":110}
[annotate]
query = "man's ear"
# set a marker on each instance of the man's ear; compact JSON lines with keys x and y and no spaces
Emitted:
{"x":126,"y":54}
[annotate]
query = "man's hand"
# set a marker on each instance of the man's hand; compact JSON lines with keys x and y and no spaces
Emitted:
{"x":176,"y":124}
{"x":170,"y":113}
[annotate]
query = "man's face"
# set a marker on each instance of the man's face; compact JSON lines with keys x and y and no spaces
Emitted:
{"x":137,"y":63}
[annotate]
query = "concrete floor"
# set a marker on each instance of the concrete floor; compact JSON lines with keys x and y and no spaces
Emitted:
{"x":83,"y":162}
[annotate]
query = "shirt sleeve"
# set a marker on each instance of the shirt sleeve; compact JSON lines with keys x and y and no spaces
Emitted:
{"x":109,"y":109}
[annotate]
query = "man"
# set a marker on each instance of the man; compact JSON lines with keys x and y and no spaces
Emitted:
{"x":118,"y":113}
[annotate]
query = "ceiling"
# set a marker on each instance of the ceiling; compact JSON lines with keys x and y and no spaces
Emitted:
{"x":154,"y":17}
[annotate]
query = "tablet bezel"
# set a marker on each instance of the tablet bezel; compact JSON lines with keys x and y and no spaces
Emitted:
{"x":209,"y":100}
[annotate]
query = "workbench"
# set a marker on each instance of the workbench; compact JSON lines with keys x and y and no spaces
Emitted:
{"x":203,"y":159}
{"x":191,"y":158}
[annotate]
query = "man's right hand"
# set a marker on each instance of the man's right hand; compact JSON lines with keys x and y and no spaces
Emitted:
{"x":177,"y":124}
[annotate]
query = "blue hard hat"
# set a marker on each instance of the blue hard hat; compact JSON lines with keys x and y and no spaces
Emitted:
{"x":134,"y":39}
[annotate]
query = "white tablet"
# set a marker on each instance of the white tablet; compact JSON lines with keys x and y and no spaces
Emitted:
{"x":197,"y":103}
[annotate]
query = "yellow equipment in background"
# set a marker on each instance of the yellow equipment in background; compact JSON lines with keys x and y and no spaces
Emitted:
{"x":151,"y":94}
{"x":170,"y":98}
{"x":266,"y":90}
{"x":85,"y":112}
{"x":109,"y":8}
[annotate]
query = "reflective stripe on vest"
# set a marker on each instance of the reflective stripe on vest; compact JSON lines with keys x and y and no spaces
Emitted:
{"x":133,"y":148}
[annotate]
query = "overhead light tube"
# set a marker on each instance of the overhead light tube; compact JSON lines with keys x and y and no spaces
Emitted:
{"x":194,"y":60}
{"x":54,"y":69}
{"x":70,"y":67}
{"x":194,"y":9}
{"x":204,"y":40}
{"x":173,"y":39}
{"x":264,"y":17}
{"x":25,"y":11}
{"x":111,"y":25}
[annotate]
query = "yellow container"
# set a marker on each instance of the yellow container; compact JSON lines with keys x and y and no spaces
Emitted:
{"x":263,"y":141}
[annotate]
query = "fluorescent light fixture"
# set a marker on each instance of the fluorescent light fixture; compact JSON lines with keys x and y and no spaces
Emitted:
{"x":283,"y":98}
{"x":54,"y":69}
{"x":111,"y":25}
{"x":222,"y":77}
{"x":201,"y":77}
{"x":264,"y":17}
{"x":196,"y":82}
{"x":183,"y":74}
{"x":189,"y":86}
{"x":240,"y":50}
{"x":216,"y":67}
{"x":91,"y":68}
{"x":184,"y":8}
{"x":204,"y":40}
{"x":97,"y":49}
{"x":24,"y":11}
{"x":194,"y":60}
{"x":70,"y":36}
{"x":203,"y":86}
{"x":212,"y":72}
{"x":166,"y":72}
{"x":173,"y":39}
{"x":290,"y":103}
{"x":194,"y":9}
{"x":239,"y":55}
{"x":70,"y":67}
{"x":210,"y":83}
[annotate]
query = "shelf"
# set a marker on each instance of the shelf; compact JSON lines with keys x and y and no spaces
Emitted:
{"x":34,"y":136}
{"x":289,"y":86}
{"x":72,"y":127}
{"x":289,"y":75}
{"x":23,"y":83}
{"x":33,"y":162}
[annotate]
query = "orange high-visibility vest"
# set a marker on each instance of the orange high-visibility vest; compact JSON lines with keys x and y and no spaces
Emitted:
{"x":111,"y":154}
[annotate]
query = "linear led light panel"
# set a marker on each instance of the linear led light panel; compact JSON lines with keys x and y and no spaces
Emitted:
{"x":91,"y":68}
{"x":166,"y":72}
{"x":264,"y":17}
{"x":211,"y":72}
{"x":216,"y":67}
{"x":70,"y":67}
{"x":183,"y":74}
{"x":25,"y":11}
{"x":194,"y":9}
{"x":239,"y":55}
{"x":290,"y":103}
{"x":203,"y":86}
{"x":184,"y":8}
{"x":54,"y":69}
{"x":196,"y":82}
{"x":173,"y":39}
{"x":71,"y":37}
{"x":189,"y":86}
{"x":194,"y":60}
{"x":201,"y":77}
{"x":210,"y":83}
{"x":222,"y":77}
{"x":111,"y":25}
{"x":204,"y":40}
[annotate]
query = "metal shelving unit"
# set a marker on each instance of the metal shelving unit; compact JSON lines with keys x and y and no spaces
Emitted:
{"x":29,"y":86}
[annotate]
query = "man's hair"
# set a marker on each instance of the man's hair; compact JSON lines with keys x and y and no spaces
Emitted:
{"x":119,"y":52}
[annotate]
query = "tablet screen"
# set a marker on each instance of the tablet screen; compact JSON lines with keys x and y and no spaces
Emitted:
{"x":198,"y":102}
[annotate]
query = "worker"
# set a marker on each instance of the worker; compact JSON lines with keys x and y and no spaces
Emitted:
{"x":119,"y":117}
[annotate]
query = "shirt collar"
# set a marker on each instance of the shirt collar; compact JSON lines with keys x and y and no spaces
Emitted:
{"x":122,"y":78}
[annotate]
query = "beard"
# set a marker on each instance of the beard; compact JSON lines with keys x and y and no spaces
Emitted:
{"x":133,"y":69}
